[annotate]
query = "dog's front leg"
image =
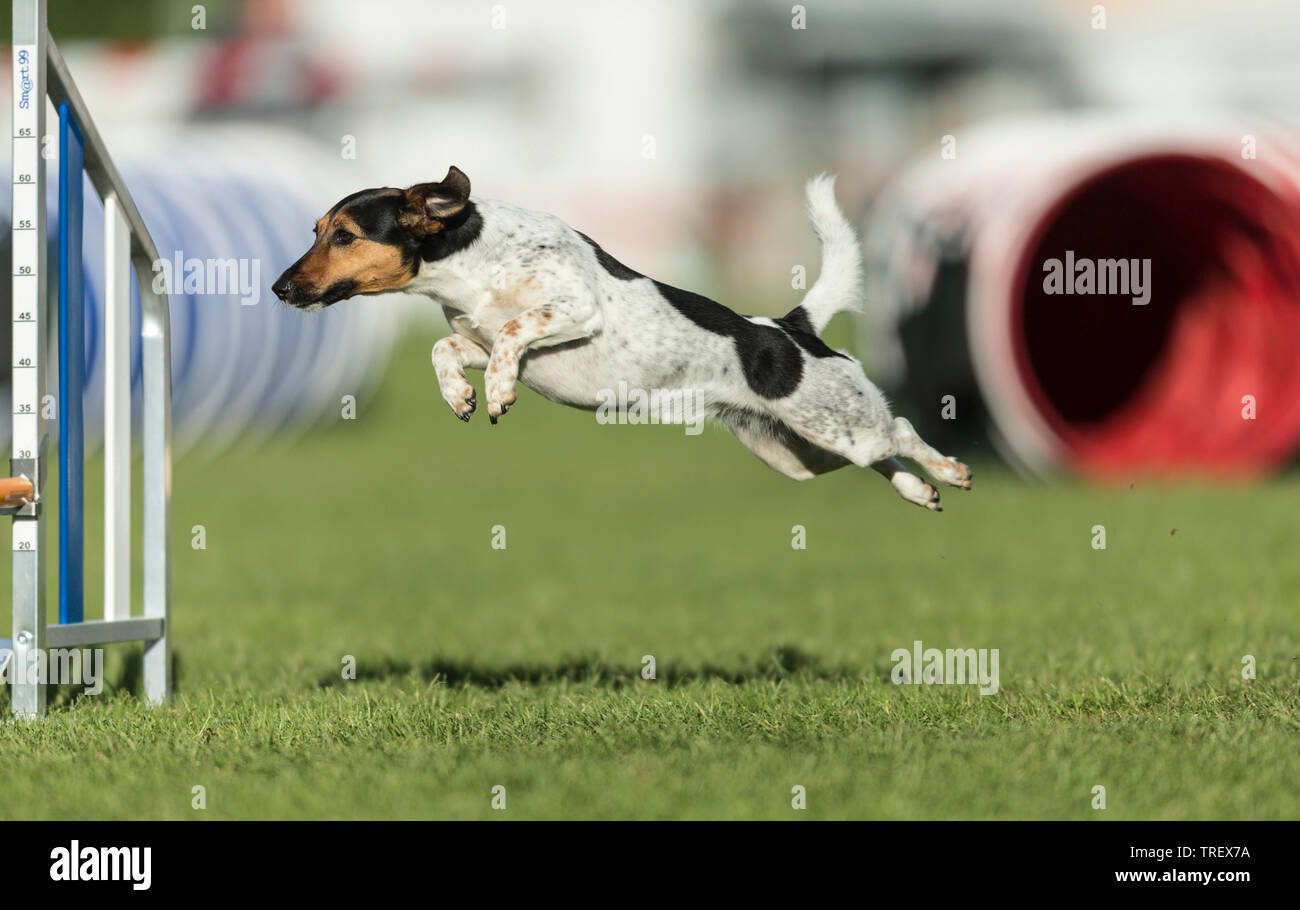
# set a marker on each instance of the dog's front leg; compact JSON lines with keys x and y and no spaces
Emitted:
{"x":553,"y":322}
{"x":451,"y":356}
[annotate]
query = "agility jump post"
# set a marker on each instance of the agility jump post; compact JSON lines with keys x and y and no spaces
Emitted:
{"x":39,"y":73}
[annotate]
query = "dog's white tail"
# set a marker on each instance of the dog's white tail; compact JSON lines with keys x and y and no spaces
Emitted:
{"x":839,"y":286}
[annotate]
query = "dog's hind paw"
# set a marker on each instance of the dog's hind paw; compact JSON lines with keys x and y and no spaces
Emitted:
{"x":931,"y":499}
{"x":950,"y":471}
{"x":916,"y":490}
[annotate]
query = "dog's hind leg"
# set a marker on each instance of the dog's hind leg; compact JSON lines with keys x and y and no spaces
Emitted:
{"x":451,"y":356}
{"x":779,"y":447}
{"x":838,"y":409}
{"x":783,"y":450}
{"x":908,"y":485}
{"x":942,"y":468}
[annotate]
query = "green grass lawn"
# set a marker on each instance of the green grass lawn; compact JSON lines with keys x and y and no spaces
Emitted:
{"x":479,"y":667}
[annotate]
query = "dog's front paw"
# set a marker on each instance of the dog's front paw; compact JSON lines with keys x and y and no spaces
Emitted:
{"x":461,"y":399}
{"x":499,"y":398}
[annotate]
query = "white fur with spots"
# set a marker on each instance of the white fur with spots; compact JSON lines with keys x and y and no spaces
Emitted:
{"x":529,"y":301}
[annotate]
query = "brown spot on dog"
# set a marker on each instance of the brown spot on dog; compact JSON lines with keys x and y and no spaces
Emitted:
{"x":515,"y":296}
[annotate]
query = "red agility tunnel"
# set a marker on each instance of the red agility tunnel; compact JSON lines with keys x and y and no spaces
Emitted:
{"x":1205,"y":375}
{"x":1172,"y":346}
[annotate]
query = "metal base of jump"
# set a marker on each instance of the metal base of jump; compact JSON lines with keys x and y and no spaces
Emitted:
{"x":40,"y":73}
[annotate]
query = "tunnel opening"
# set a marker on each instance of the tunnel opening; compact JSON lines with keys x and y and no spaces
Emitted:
{"x":1202,"y":378}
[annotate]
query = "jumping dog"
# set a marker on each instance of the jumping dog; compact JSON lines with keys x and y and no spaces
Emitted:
{"x":530,"y":299}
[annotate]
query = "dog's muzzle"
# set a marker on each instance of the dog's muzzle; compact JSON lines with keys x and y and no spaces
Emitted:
{"x":283,"y":287}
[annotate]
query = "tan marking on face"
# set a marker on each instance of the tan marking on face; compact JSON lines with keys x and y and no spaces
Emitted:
{"x":373,"y":266}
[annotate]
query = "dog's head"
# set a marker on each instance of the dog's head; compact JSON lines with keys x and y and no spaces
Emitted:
{"x":371,"y":242}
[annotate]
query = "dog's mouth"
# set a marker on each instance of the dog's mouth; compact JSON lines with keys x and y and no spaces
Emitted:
{"x":311,"y":302}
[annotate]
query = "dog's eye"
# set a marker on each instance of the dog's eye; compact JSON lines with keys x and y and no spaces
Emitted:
{"x":343,"y":238}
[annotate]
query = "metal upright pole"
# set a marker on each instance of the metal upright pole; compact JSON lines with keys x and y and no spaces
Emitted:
{"x":29,"y":346}
{"x":157,"y":481}
{"x":117,"y":411}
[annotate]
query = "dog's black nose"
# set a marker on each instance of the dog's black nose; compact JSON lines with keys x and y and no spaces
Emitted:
{"x":282,"y":288}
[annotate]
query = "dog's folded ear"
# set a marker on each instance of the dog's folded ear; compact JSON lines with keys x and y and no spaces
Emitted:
{"x":428,"y":205}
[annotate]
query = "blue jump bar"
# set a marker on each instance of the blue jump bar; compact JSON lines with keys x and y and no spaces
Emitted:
{"x":72,"y":381}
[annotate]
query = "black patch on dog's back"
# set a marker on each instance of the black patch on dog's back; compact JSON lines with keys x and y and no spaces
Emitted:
{"x":609,"y":263}
{"x":770,"y":361}
{"x":768,"y":355}
{"x":797,"y":320}
{"x":799,"y":327}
